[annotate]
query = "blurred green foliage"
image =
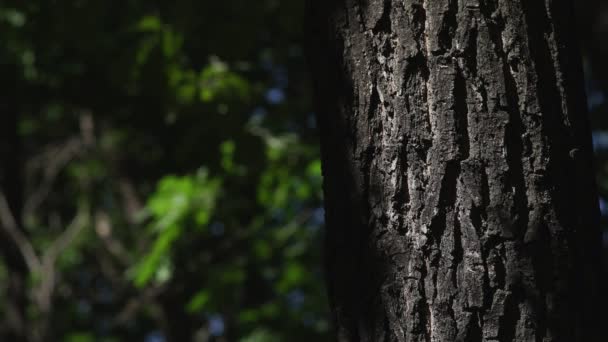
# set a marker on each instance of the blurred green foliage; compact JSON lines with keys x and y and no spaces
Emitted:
{"x":182,"y":133}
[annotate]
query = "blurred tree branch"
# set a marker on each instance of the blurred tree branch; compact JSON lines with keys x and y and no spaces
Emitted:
{"x":10,"y":226}
{"x":54,"y":160}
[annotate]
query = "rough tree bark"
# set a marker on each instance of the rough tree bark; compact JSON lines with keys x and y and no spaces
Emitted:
{"x":460,"y":197}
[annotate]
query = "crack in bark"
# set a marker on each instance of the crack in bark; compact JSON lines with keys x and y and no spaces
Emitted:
{"x":514,"y":147}
{"x":384,"y":22}
{"x":461,"y":114}
{"x":507,"y":327}
{"x":448,"y":27}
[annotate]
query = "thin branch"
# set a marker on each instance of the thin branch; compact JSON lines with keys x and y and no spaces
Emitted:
{"x":44,"y":292}
{"x":63,"y":241}
{"x":10,"y":226}
{"x":134,"y":305}
{"x":132,"y":203}
{"x":53,"y":162}
{"x":103,"y":228}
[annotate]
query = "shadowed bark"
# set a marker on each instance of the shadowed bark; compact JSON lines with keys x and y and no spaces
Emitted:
{"x":460,"y":198}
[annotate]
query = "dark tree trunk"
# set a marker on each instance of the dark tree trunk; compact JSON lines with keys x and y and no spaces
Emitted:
{"x":460,"y":198}
{"x":12,"y":187}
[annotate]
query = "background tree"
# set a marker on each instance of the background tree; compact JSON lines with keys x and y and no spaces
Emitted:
{"x":457,"y":166}
{"x":11,"y":182}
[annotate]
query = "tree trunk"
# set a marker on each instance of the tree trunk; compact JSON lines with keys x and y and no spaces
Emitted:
{"x":11,"y":185}
{"x":460,"y":197}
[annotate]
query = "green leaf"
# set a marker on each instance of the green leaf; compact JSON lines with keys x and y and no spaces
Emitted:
{"x":13,"y":17}
{"x":261,"y":335}
{"x":177,"y":201}
{"x":293,"y":274}
{"x":149,"y":266}
{"x":198,"y":302}
{"x":149,"y":23}
{"x":80,"y":337}
{"x":227,"y":151}
{"x":262,"y":249}
{"x":314,"y":168}
{"x":217,"y":80}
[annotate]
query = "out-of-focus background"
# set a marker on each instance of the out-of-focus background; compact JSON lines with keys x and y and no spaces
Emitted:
{"x":159,"y":170}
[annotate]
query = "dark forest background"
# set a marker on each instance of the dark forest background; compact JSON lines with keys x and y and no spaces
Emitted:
{"x":159,"y":170}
